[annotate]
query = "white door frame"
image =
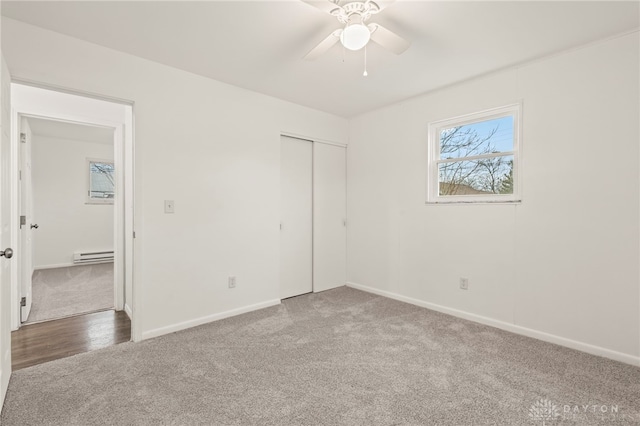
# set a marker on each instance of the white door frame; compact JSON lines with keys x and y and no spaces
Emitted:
{"x":123,"y":202}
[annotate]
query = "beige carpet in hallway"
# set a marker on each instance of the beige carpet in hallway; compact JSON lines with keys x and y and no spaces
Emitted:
{"x":63,"y":292}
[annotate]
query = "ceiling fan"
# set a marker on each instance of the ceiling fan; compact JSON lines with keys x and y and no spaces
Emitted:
{"x":356,"y":32}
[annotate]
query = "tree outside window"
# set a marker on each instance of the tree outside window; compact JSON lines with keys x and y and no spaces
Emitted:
{"x":101,"y":182}
{"x":474,"y":158}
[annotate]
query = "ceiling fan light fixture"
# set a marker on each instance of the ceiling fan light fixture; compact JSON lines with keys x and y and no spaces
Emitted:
{"x":355,"y":36}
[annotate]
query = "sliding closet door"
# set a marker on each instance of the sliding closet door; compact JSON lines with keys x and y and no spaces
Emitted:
{"x":296,"y":217}
{"x":329,"y":213}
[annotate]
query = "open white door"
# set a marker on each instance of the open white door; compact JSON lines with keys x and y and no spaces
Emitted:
{"x":26,"y":221}
{"x":296,"y":213}
{"x":5,"y":232}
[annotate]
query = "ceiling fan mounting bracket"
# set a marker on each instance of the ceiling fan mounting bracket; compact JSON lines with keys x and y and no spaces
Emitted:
{"x":364,"y":10}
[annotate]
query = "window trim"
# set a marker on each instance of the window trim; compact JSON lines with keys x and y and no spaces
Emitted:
{"x":433,"y":156}
{"x":89,"y":199}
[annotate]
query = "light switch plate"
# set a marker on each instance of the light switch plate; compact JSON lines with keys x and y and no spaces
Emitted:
{"x":464,"y":283}
{"x":168,"y":206}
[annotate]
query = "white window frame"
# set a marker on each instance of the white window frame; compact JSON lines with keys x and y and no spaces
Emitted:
{"x":433,"y":178}
{"x":91,"y":200}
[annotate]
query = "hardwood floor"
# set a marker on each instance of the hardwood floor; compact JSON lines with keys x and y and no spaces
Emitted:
{"x":42,"y":342}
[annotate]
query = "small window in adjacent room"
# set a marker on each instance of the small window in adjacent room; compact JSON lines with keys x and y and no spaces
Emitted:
{"x":101,"y":182}
{"x":474,"y":158}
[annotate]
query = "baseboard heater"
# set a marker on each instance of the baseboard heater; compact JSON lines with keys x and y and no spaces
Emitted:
{"x":92,"y":257}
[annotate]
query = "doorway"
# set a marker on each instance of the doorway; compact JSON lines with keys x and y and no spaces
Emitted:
{"x":66,"y":197}
{"x":74,"y":203}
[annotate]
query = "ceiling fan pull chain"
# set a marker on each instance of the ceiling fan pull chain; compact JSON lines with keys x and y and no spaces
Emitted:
{"x":365,"y":73}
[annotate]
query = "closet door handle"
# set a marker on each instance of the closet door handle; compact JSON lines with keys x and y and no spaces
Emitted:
{"x":8,"y":253}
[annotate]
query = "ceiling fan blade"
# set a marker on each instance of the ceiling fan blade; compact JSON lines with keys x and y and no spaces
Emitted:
{"x":324,"y":45}
{"x":324,"y":5}
{"x":388,"y":39}
{"x":382,"y":4}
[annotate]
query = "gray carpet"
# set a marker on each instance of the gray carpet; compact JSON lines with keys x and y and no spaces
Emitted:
{"x":63,"y":292}
{"x":337,"y":357}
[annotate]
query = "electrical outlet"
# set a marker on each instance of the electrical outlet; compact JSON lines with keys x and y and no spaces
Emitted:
{"x":232,"y":282}
{"x":464,"y":283}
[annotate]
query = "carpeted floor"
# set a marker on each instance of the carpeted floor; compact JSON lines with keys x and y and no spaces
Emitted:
{"x":63,"y":292}
{"x":337,"y":357}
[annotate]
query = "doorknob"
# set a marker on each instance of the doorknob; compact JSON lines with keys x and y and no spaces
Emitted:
{"x":34,"y":226}
{"x":8,"y":253}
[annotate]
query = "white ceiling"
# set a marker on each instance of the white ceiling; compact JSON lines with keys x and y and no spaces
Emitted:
{"x":70,"y":131}
{"x":259,"y":45}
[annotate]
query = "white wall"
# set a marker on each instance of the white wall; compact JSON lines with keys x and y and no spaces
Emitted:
{"x":563,"y":264}
{"x":211,"y":147}
{"x":568,"y":259}
{"x":67,"y":223}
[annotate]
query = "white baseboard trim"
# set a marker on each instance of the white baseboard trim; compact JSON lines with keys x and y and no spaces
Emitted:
{"x":57,"y":265}
{"x":128,"y":311}
{"x":209,"y":318}
{"x":513,"y":328}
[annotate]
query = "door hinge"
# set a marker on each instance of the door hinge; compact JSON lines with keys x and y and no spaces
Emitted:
{"x":134,"y":234}
{"x":23,"y":301}
{"x":23,"y":221}
{"x":23,"y":138}
{"x":20,"y":174}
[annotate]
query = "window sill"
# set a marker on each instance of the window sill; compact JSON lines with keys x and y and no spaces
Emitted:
{"x":95,"y":203}
{"x":454,"y":202}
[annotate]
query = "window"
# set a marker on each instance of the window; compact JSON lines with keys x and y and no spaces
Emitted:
{"x":101,"y":182}
{"x":474,"y":158}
